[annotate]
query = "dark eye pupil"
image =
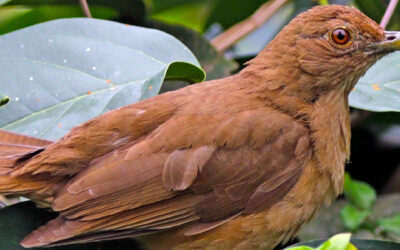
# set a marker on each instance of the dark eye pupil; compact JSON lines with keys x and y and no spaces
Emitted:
{"x":341,"y":35}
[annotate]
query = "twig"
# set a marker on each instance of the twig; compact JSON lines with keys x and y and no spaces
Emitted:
{"x":85,"y":8}
{"x":388,"y":13}
{"x":239,"y":30}
{"x":358,"y":117}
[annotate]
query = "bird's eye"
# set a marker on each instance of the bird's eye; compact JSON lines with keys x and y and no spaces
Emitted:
{"x":340,"y":36}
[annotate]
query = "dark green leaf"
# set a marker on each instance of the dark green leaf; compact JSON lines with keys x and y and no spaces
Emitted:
{"x":215,"y":64}
{"x":372,"y":8}
{"x":359,"y":193}
{"x":327,"y":222}
{"x":156,"y":6}
{"x":26,"y":16}
{"x":192,"y":15}
{"x":391,"y":224}
{"x":19,"y":220}
{"x":62,"y":73}
{"x":232,"y":13}
{"x":132,"y":8}
{"x":352,"y":217}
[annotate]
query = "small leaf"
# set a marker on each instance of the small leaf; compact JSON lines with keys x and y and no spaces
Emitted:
{"x":352,"y":217}
{"x":300,"y":248}
{"x":391,"y":224}
{"x":359,"y":244}
{"x":360,"y":193}
{"x":337,"y":242}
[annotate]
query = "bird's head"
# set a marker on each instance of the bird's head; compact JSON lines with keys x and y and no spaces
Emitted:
{"x":327,"y":47}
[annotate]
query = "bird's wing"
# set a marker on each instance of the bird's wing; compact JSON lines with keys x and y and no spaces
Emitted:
{"x":202,"y":169}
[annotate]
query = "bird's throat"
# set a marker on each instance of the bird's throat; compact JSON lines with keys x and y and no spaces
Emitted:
{"x":330,"y":123}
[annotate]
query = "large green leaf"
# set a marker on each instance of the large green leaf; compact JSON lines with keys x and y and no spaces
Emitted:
{"x":19,"y":220}
{"x":62,"y":73}
{"x":379,"y":89}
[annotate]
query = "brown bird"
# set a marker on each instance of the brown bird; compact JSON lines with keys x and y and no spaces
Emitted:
{"x":237,"y":163}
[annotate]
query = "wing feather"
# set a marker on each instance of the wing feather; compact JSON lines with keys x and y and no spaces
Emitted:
{"x":156,"y":183}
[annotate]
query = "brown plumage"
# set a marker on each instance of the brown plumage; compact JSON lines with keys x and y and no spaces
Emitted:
{"x":241,"y":162}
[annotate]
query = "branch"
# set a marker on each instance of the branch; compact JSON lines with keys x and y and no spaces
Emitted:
{"x":239,"y":30}
{"x":85,"y":8}
{"x":388,"y":13}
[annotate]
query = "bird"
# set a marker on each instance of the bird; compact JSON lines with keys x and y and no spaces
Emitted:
{"x":241,"y":162}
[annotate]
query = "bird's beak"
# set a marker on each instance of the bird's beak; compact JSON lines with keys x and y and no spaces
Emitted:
{"x":391,"y":42}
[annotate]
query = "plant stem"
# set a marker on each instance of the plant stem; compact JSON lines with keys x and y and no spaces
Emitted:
{"x":85,"y":8}
{"x":228,"y":38}
{"x":388,"y":13}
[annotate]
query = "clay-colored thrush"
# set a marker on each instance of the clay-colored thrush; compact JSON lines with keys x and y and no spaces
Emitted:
{"x":241,"y":162}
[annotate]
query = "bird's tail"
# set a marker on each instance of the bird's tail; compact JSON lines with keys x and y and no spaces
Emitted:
{"x":15,"y":150}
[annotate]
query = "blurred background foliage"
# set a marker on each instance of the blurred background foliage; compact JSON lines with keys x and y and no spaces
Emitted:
{"x":368,"y":210}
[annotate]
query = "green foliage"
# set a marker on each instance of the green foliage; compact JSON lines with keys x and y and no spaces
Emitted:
{"x":200,"y":14}
{"x":391,"y":224}
{"x":356,"y":215}
{"x":355,"y":244}
{"x":18,"y":14}
{"x":192,"y":15}
{"x":361,"y":194}
{"x":353,"y":217}
{"x":376,"y":9}
{"x":76,"y":69}
{"x":215,"y":64}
